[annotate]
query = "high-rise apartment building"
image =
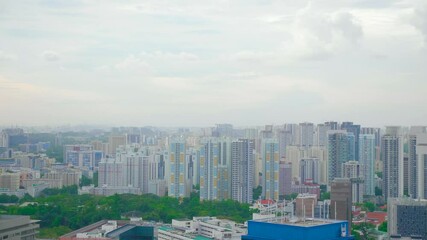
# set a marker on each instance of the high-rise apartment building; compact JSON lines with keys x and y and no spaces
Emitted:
{"x":9,"y":181}
{"x":270,"y":158}
{"x":337,"y":153}
{"x":310,"y":170}
{"x":223,"y":130}
{"x":421,"y":168}
{"x":415,"y":162}
{"x":353,"y":170}
{"x":285,"y":178}
{"x":367,"y":160}
{"x":392,"y":158}
{"x":82,"y":156}
{"x":285,"y":139}
{"x":214,"y":170}
{"x":355,"y":129}
{"x":307,"y":134}
{"x":242,"y":170}
{"x":114,"y":142}
{"x":178,"y":169}
{"x":321,"y":136}
{"x":110,"y":173}
{"x":135,"y":160}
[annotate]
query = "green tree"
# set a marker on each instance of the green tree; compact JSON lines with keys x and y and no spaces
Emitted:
{"x":383,"y":227}
{"x":8,"y":199}
{"x":325,"y":195}
{"x":291,"y":196}
{"x":368,"y":206}
{"x":53,"y":232}
{"x":95,"y":179}
{"x":85,"y":181}
{"x":256,"y":193}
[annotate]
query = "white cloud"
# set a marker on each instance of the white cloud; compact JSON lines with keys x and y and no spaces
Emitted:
{"x":317,"y":35}
{"x":419,"y":20}
{"x":6,"y":57}
{"x":132,"y":63}
{"x":50,"y":56}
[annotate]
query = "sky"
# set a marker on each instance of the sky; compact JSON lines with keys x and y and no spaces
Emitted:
{"x":198,"y":63}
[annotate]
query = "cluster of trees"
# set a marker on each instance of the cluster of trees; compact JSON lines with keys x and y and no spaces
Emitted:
{"x":8,"y":199}
{"x":65,"y":208}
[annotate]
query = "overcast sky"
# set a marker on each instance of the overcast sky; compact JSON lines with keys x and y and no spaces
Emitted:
{"x":197,"y":63}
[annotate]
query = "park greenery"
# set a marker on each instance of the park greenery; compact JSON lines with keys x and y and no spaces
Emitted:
{"x":57,"y":208}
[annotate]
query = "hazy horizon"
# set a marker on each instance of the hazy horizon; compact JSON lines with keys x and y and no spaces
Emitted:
{"x":192,"y":63}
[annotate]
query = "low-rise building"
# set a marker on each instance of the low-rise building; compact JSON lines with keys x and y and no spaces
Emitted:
{"x":407,"y":217}
{"x":114,"y":230}
{"x":16,"y":227}
{"x":202,"y":228}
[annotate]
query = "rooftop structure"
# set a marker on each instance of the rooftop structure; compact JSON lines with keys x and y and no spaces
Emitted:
{"x":310,"y":228}
{"x":16,"y":227}
{"x":112,"y":229}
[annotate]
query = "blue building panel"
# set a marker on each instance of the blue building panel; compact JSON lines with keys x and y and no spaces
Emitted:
{"x":336,"y":230}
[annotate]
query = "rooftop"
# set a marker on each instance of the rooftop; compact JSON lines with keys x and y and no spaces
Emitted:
{"x":182,"y":233}
{"x":308,"y":222}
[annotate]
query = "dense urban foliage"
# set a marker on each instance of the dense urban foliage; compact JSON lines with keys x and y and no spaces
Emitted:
{"x":63,"y":207}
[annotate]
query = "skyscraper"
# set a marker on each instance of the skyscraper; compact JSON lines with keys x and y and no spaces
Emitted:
{"x":242,"y":168}
{"x":367,"y":159}
{"x":321,"y":137}
{"x":353,"y":170}
{"x":355,"y":129}
{"x":341,"y":200}
{"x":270,"y":158}
{"x":178,"y":169}
{"x":285,"y":139}
{"x":421,"y":173}
{"x":310,"y":170}
{"x":392,"y":157}
{"x":285,"y":178}
{"x":337,"y":153}
{"x":214,"y":170}
{"x":114,"y":142}
{"x":209,"y":156}
{"x":307,"y":134}
{"x":415,"y":148}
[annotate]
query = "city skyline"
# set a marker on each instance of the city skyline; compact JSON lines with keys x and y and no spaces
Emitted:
{"x":181,"y":64}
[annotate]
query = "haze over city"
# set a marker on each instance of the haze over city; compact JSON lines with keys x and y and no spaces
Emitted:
{"x":193,"y":63}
